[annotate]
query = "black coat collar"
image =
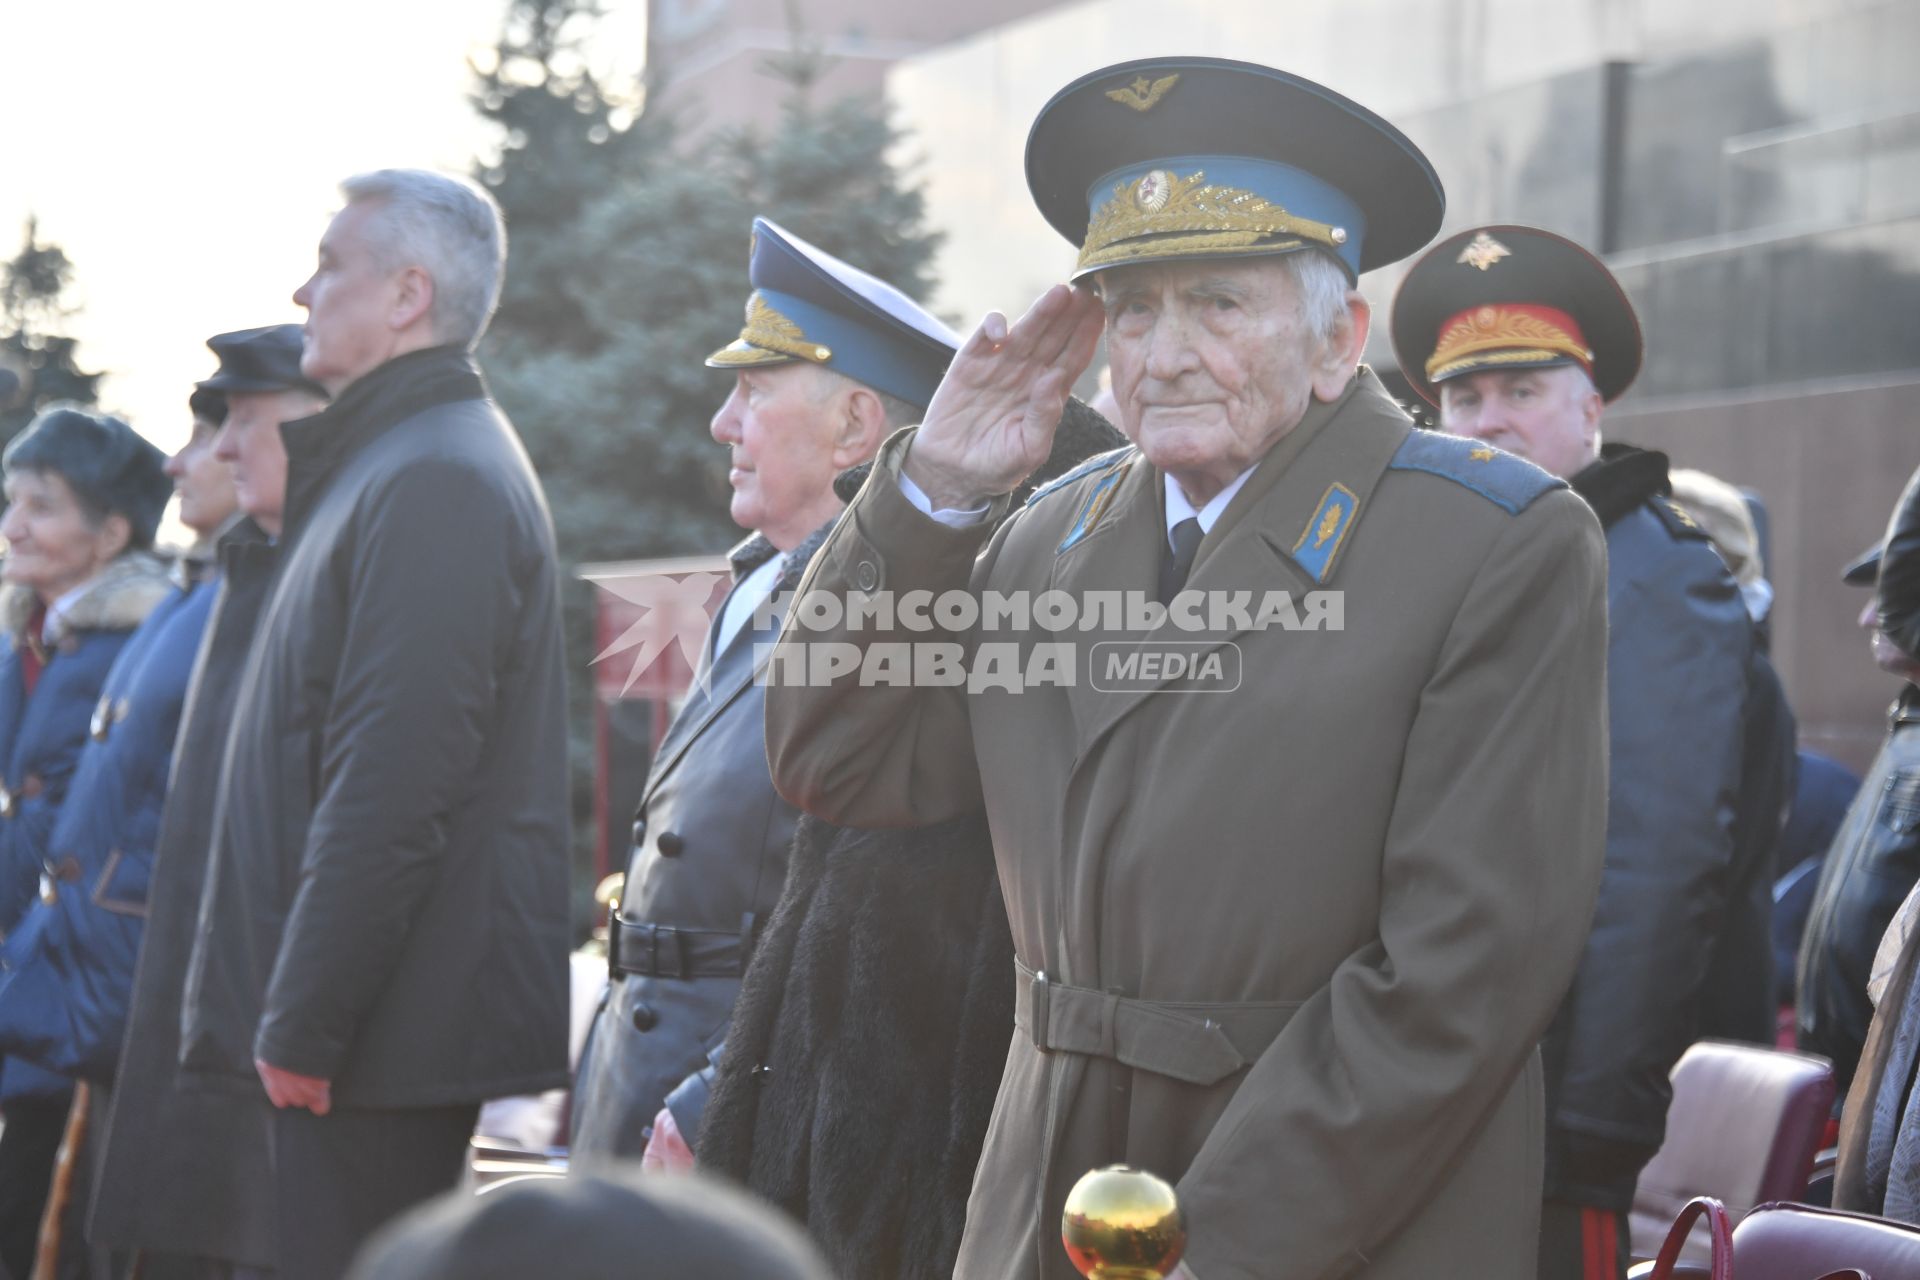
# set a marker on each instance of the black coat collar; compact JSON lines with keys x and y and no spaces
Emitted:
{"x":1622,"y":479}
{"x":370,"y":407}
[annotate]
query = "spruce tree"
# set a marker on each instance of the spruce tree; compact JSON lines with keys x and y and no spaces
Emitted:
{"x":627,"y":265}
{"x":38,"y":365}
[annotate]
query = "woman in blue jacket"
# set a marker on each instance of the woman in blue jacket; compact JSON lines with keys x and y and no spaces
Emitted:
{"x":84,"y":495}
{"x":63,"y":1001}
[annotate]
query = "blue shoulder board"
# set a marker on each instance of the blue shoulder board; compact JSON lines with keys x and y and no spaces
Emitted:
{"x":1098,"y":462}
{"x":1506,"y":481}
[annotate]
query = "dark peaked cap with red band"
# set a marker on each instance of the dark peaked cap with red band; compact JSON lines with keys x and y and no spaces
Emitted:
{"x":1502,"y":297}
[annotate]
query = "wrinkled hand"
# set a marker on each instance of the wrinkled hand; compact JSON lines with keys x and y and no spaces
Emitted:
{"x":667,"y":1151}
{"x":290,"y":1089}
{"x":993,"y":418}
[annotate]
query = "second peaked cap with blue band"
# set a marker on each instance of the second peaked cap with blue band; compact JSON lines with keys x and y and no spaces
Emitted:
{"x":1170,"y":159}
{"x":808,"y":305}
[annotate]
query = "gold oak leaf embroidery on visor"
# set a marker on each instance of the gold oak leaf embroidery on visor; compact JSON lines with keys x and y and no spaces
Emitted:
{"x":1186,"y":215}
{"x":768,"y":332}
{"x":1498,"y":335}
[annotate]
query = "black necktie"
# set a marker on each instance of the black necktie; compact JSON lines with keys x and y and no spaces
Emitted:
{"x":1187,"y":536}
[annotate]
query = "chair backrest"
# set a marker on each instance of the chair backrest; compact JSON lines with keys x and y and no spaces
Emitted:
{"x":1797,"y":1242}
{"x":1744,"y":1126}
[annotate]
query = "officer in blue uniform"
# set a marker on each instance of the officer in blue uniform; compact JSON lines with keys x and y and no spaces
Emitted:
{"x":829,"y":362}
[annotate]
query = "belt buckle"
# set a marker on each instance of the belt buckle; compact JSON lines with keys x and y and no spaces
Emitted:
{"x":678,"y":947}
{"x":1041,"y":1004}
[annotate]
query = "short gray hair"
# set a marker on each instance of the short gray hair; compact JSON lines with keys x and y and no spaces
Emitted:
{"x":1323,"y":286}
{"x":899,"y":412}
{"x":448,"y":227}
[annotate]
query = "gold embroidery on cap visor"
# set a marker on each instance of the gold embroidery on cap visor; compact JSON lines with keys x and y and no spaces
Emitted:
{"x":768,"y":338}
{"x":1160,"y":216}
{"x":1496,"y":335}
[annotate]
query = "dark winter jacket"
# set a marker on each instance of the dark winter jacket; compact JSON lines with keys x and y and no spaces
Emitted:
{"x":386,"y":906}
{"x":179,"y":1170}
{"x":1823,"y":791}
{"x":1874,"y":862}
{"x":1899,"y":587}
{"x":41,"y":737}
{"x":1679,"y":644}
{"x":1739,"y":1001}
{"x":63,"y":1001}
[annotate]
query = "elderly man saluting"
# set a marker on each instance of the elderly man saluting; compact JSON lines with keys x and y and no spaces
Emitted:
{"x":1292,"y":946}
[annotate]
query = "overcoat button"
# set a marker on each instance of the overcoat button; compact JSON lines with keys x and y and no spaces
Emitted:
{"x":644,"y":1018}
{"x":671,"y":844}
{"x":639,"y":832}
{"x":866,"y":576}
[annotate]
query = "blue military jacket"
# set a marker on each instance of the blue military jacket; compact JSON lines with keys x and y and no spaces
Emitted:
{"x":63,"y":1001}
{"x":42,"y":733}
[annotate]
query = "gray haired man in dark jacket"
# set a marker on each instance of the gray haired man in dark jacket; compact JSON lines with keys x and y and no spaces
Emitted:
{"x":383,"y":935}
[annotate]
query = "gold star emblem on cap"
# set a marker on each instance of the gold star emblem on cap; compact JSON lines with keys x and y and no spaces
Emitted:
{"x":1483,"y":251}
{"x":1143,"y":94}
{"x":1481,"y":453}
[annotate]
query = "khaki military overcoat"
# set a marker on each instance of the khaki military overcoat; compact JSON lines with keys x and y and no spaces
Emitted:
{"x":1297,"y":941}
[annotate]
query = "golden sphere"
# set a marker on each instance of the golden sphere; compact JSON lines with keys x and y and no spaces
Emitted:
{"x":1123,"y":1223}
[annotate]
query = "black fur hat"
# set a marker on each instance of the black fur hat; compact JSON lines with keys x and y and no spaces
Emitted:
{"x":1082,"y":433}
{"x":108,"y":465}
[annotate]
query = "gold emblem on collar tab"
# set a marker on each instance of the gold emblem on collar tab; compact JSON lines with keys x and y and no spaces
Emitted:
{"x":1143,"y":94}
{"x":1483,"y":251}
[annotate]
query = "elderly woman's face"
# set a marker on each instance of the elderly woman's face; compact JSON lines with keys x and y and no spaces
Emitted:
{"x":53,"y":544}
{"x":1212,"y":362}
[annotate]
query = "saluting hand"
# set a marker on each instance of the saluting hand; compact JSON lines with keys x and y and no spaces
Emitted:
{"x":290,"y":1089}
{"x":993,"y":418}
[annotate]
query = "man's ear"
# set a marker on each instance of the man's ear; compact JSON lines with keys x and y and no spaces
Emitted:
{"x":1592,"y":408}
{"x":1340,"y":353}
{"x":412,"y":301}
{"x":862,"y":427}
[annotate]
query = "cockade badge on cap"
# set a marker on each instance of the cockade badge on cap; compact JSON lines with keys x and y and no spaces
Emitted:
{"x":1482,"y":252}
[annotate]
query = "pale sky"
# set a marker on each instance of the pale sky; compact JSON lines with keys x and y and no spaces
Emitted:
{"x":185,"y":154}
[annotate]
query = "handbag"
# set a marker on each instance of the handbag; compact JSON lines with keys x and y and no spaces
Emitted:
{"x":1720,"y":1229}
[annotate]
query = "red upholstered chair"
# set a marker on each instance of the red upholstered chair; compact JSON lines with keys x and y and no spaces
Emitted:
{"x":1800,"y":1242}
{"x":1744,"y":1127}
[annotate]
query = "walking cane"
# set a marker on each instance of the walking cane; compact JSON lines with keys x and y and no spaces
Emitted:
{"x":66,"y":1168}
